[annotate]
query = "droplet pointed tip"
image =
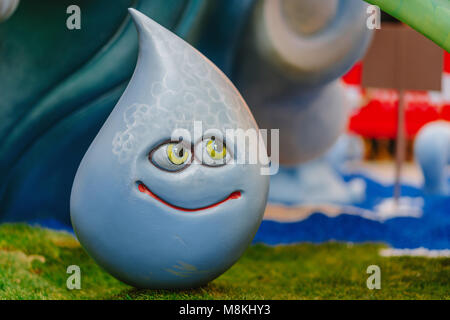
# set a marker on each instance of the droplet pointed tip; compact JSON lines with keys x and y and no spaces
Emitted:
{"x":137,"y":17}
{"x":142,"y":22}
{"x":133,"y":12}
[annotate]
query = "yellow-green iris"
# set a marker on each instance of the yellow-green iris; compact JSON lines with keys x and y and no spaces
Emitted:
{"x":214,"y":153}
{"x":177,"y":154}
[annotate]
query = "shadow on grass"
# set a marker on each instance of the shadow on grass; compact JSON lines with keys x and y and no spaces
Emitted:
{"x":204,"y":292}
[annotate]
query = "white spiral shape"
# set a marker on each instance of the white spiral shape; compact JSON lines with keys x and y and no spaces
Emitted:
{"x":314,"y":35}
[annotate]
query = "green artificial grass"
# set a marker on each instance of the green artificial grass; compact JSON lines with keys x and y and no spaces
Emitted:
{"x":33,"y":263}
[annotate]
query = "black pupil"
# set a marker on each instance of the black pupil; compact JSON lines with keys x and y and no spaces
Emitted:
{"x":181,"y":152}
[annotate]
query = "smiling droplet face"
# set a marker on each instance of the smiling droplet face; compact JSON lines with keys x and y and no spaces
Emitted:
{"x":159,"y":199}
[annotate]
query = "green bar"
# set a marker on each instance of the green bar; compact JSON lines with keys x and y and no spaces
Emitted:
{"x":429,"y":17}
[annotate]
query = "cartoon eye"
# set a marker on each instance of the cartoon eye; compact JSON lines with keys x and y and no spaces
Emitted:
{"x":177,"y":154}
{"x":214,"y":152}
{"x":171,"y":156}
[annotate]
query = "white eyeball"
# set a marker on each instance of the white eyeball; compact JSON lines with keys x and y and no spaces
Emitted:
{"x":172,"y":156}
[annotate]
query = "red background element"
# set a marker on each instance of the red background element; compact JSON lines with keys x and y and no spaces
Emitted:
{"x":378,"y":118}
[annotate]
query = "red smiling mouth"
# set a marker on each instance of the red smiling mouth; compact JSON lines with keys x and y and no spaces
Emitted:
{"x":143,"y":188}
